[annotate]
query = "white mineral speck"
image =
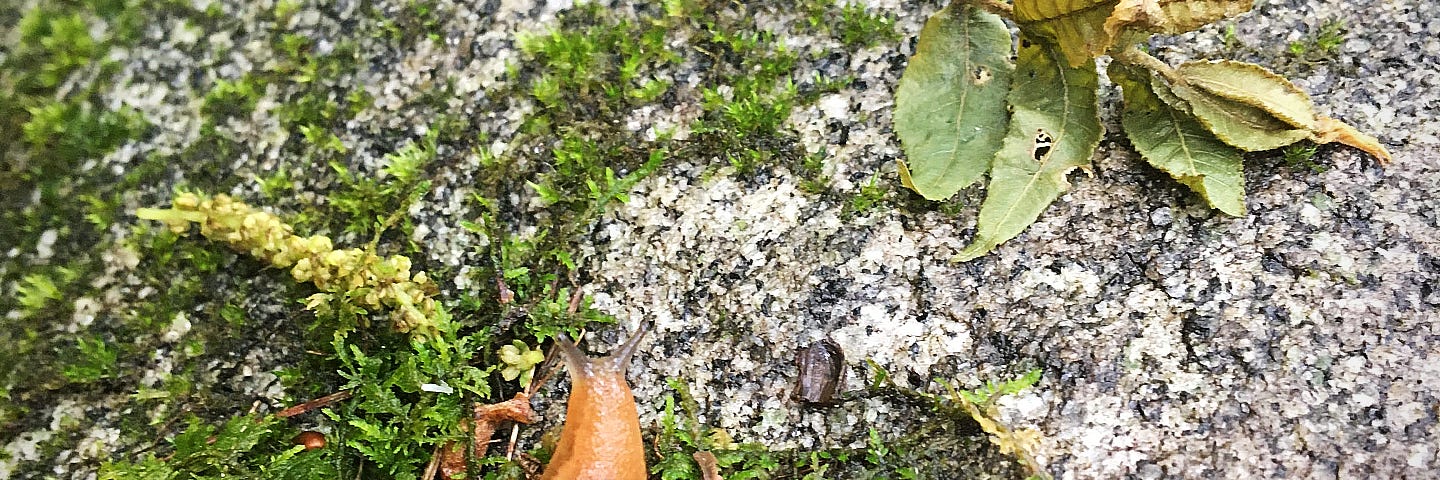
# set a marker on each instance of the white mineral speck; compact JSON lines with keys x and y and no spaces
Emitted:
{"x":1310,"y":214}
{"x":1161,"y":216}
{"x":68,"y":413}
{"x":84,"y":309}
{"x":44,"y":248}
{"x":24,"y":448}
{"x":179,"y":326}
{"x":835,"y":105}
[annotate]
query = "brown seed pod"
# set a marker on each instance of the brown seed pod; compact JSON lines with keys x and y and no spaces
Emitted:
{"x":310,"y":439}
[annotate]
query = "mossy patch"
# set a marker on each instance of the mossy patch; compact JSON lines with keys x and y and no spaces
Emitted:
{"x":216,"y":317}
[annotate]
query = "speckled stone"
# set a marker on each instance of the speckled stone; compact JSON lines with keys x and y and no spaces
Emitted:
{"x":1300,"y":341}
{"x":1297,"y":342}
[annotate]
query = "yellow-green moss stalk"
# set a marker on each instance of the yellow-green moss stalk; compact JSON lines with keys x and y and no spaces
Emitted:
{"x":374,"y":283}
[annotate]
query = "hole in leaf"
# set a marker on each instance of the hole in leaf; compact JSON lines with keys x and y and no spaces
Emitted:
{"x":981,"y":75}
{"x":1043,"y":142}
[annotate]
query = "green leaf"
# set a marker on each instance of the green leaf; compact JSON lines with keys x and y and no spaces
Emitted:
{"x":950,"y":106}
{"x":1054,"y":128}
{"x":1077,"y":27}
{"x":1237,"y":124}
{"x":1175,"y":142}
{"x":1252,"y":85}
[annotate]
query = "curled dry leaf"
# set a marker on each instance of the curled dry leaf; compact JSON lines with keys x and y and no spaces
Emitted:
{"x":481,"y":426}
{"x":1170,"y":16}
{"x":1252,"y":85}
{"x":1075,"y":27}
{"x":1329,"y":130}
{"x":1237,"y":124}
{"x":1252,"y":108}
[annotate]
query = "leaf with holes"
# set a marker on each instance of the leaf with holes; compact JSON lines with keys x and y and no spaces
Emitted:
{"x":950,"y":106}
{"x":1175,"y":142}
{"x":1054,"y":128}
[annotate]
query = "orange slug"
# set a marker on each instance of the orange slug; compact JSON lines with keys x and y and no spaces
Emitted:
{"x":601,"y":436}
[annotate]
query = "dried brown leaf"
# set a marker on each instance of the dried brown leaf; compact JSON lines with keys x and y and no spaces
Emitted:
{"x":1330,"y":130}
{"x":1171,"y":17}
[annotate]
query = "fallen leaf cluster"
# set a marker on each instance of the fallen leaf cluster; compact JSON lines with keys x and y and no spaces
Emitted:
{"x":974,"y":102}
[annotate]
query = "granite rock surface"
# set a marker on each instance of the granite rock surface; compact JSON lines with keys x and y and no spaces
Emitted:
{"x":1299,"y":341}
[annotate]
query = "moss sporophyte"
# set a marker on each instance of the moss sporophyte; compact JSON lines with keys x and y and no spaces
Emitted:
{"x":361,"y":276}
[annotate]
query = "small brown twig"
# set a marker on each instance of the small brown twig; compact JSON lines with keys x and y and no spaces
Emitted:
{"x":997,"y":7}
{"x":434,"y":464}
{"x":709,"y":465}
{"x":575,"y":298}
{"x":316,"y":403}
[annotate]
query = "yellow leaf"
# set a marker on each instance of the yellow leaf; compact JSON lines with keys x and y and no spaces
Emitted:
{"x":1075,"y":27}
{"x":1171,"y":16}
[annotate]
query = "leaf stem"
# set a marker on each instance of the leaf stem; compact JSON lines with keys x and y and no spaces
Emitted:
{"x":998,"y":7}
{"x":1134,"y":56}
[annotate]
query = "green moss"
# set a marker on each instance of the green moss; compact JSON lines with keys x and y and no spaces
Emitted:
{"x":233,"y":98}
{"x":413,"y":21}
{"x":870,"y":196}
{"x":1302,"y":155}
{"x":92,"y":360}
{"x":56,"y":131}
{"x":56,"y":41}
{"x":1228,"y":37}
{"x":284,"y":9}
{"x":371,"y":205}
{"x":276,"y":184}
{"x":37,"y":291}
{"x":812,"y":171}
{"x":593,"y":58}
{"x":1320,"y":45}
{"x":859,"y":28}
{"x":851,"y":23}
{"x":243,"y":447}
{"x":930,"y":451}
{"x":681,"y":435}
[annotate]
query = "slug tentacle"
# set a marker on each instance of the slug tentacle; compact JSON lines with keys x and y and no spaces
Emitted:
{"x":576,"y":361}
{"x":621,"y":356}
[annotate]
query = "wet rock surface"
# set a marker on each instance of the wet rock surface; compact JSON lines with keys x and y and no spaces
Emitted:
{"x":1300,"y":341}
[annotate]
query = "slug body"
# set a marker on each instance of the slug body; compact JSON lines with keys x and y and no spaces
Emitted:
{"x":601,"y":436}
